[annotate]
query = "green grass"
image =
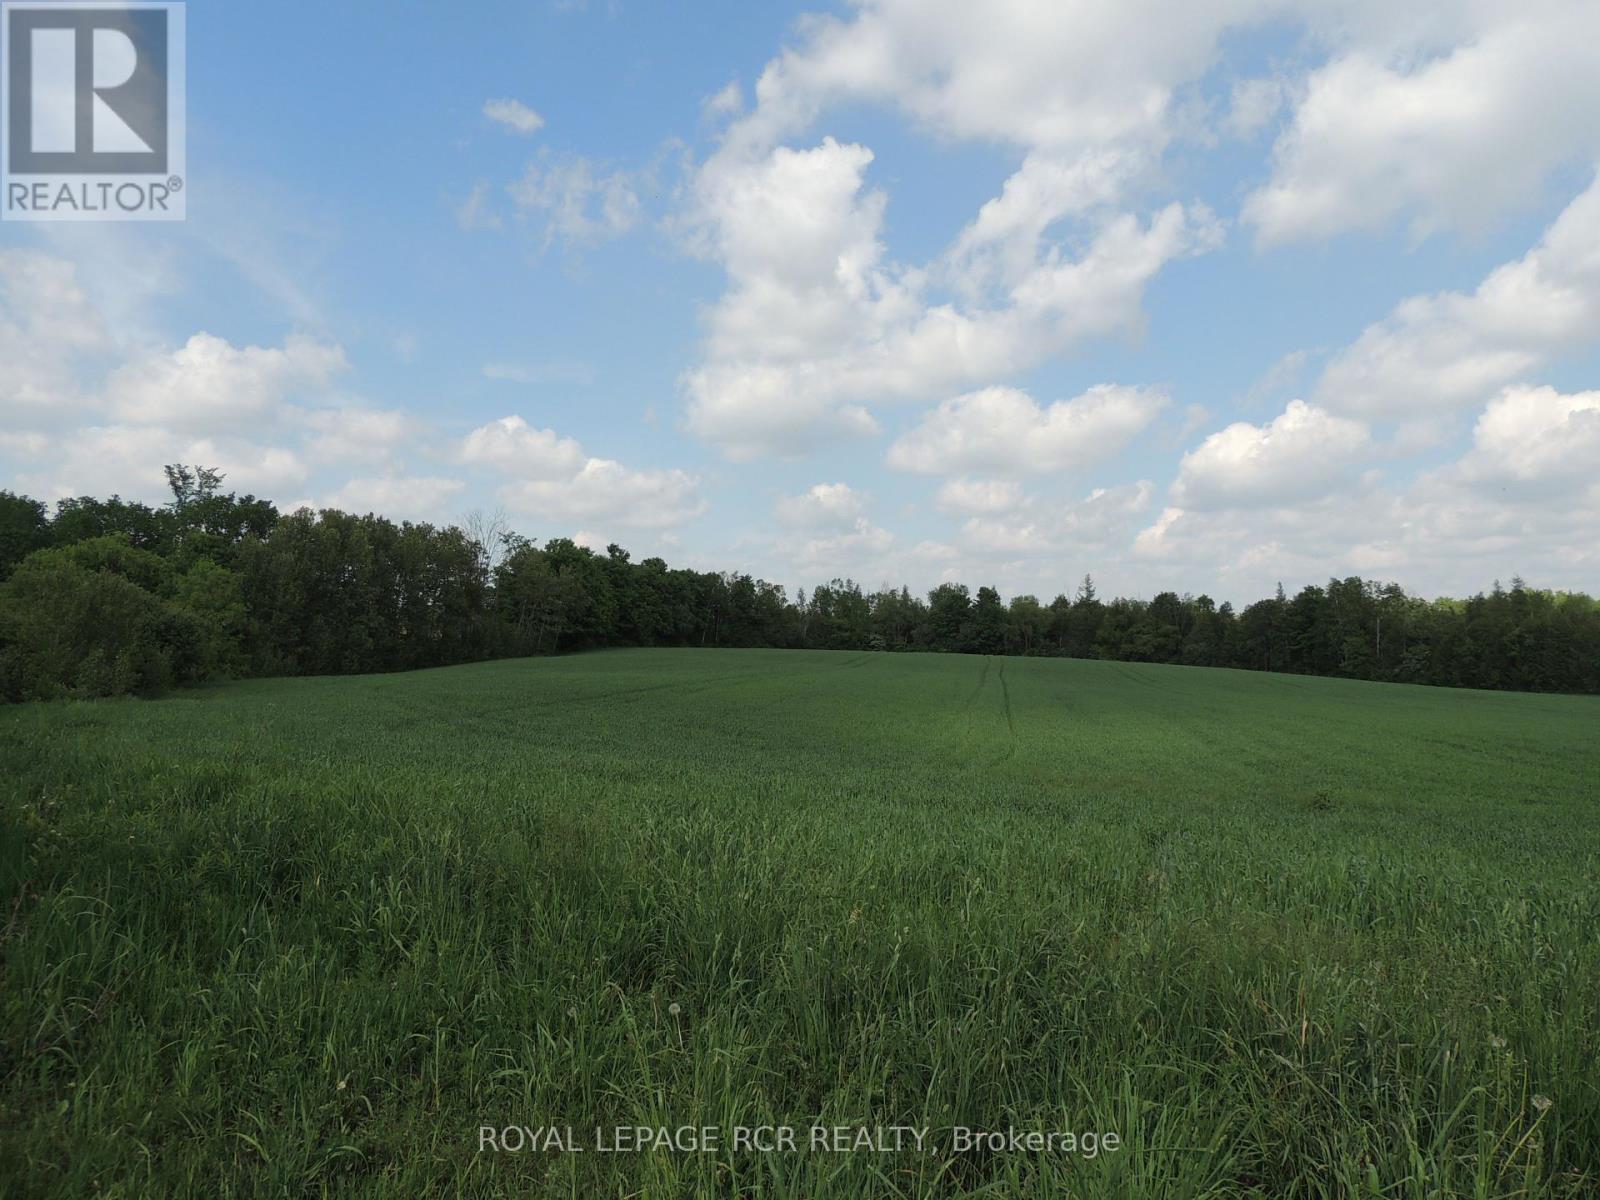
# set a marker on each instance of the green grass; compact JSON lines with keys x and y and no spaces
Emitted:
{"x":1286,"y":937}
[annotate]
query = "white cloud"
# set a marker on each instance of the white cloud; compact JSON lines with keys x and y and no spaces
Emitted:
{"x":126,"y":459}
{"x":1254,"y":104}
{"x":1441,"y":535}
{"x":514,"y":115}
{"x":728,"y":101}
{"x":1003,"y":431}
{"x":823,"y":506}
{"x":126,"y":279}
{"x":475,"y":213}
{"x":513,"y":446}
{"x":1047,"y":531}
{"x":1095,"y":519}
{"x":1535,"y":442}
{"x":1449,"y":136}
{"x":855,"y":551}
{"x":979,"y":497}
{"x":1524,"y":498}
{"x":1042,"y":546}
{"x":1009,"y":71}
{"x":550,"y":477}
{"x":574,"y":201}
{"x":818,"y":324}
{"x":1301,"y":455}
{"x":23,"y":444}
{"x":47,"y":324}
{"x":1038,"y":544}
{"x":1452,"y":350}
{"x":1004,"y":243}
{"x":607,"y":492}
{"x":829,"y":535}
{"x":209,"y":380}
{"x":337,"y":435}
{"x":398,"y":497}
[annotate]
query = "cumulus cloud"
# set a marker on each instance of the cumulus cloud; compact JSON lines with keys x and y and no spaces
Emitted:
{"x":1003,"y":244}
{"x":818,"y":325}
{"x":1439,"y":534}
{"x":513,"y":446}
{"x":209,"y":379}
{"x":823,"y":506}
{"x":606,"y":491}
{"x":267,"y":417}
{"x":1011,"y":72}
{"x":551,"y":477}
{"x":398,"y":497}
{"x":574,"y":201}
{"x":1003,"y":431}
{"x":513,"y":115}
{"x":979,"y":497}
{"x":857,"y":551}
{"x":1449,"y":135}
{"x":728,"y":101}
{"x":1452,"y":350}
{"x":338,"y":435}
{"x":1300,"y":455}
{"x":1523,"y":499}
{"x":1535,"y":442}
{"x":93,"y":426}
{"x":99,"y":460}
{"x":1041,"y":545}
{"x":47,"y":322}
{"x":1039,"y":530}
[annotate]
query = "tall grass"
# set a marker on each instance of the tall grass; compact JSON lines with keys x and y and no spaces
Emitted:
{"x":1286,"y":937}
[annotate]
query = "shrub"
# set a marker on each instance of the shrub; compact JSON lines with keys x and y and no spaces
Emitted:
{"x":66,"y":630}
{"x":113,"y":552}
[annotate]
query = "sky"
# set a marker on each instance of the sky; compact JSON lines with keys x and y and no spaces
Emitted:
{"x":1202,"y":297}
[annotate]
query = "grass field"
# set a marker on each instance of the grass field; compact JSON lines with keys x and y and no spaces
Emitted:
{"x":1283,"y":936}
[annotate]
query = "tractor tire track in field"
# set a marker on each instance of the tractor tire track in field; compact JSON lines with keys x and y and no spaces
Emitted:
{"x":1130,"y":671}
{"x":1005,"y":699}
{"x":1011,"y":725}
{"x":1005,"y":706}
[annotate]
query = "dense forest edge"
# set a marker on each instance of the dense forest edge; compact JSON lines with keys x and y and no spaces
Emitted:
{"x":113,"y":597}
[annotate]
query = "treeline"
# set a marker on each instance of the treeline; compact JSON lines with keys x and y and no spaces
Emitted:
{"x":106,"y":597}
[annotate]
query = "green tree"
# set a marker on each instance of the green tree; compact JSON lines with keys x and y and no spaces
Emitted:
{"x":24,"y":528}
{"x":67,"y":630}
{"x":949,"y":605}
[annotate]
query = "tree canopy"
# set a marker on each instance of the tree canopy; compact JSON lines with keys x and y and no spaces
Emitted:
{"x":101,"y":597}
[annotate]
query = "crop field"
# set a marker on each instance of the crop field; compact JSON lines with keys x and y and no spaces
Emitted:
{"x":1238,"y":934}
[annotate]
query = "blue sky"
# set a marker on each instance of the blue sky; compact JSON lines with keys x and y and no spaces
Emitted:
{"x":1186,"y":299}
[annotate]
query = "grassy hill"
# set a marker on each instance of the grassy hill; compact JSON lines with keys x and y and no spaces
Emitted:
{"x":1282,"y":936}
